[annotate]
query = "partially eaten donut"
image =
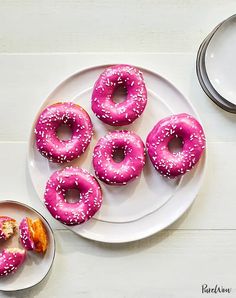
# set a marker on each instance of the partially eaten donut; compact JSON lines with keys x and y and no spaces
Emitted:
{"x":7,"y":227}
{"x":33,"y":235}
{"x":10,"y":260}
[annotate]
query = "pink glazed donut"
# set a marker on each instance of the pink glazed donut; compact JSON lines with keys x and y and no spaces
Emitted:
{"x":125,"y":112}
{"x":47,"y":141}
{"x":181,"y":126}
{"x":10,"y":260}
{"x":25,"y":235}
{"x":112,"y":172}
{"x":55,"y":195}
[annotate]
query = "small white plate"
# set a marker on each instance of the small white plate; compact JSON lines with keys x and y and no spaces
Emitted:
{"x":144,"y":206}
{"x":36,"y":266}
{"x":220,"y":59}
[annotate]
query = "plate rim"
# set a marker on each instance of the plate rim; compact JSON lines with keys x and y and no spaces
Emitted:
{"x":224,"y":104}
{"x":91,"y":67}
{"x":54,"y":243}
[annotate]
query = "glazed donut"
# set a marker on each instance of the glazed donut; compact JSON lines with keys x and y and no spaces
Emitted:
{"x":112,"y":172}
{"x":33,"y":235}
{"x":7,"y":227}
{"x":126,"y":112}
{"x":47,"y":142}
{"x":182,"y":126}
{"x":72,"y":178}
{"x":10,"y":260}
{"x":26,"y":235}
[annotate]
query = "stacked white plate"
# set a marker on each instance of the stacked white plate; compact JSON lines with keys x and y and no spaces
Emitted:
{"x":216,"y":65}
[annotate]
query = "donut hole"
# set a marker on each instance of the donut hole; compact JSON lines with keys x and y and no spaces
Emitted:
{"x":64,"y":132}
{"x":72,"y":196}
{"x":118,"y":154}
{"x":175,"y":145}
{"x":120,"y":94}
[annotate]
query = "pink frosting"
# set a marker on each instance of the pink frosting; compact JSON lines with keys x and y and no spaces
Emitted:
{"x":182,"y":126}
{"x":25,"y":236}
{"x":72,"y":178}
{"x":47,"y":142}
{"x":4,"y":219}
{"x":10,"y":260}
{"x":112,"y":172}
{"x":126,"y":112}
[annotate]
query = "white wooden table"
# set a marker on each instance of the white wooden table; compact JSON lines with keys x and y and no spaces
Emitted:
{"x":200,"y":247}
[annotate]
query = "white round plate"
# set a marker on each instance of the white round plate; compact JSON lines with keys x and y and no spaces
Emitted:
{"x":36,"y":266}
{"x":220,"y":59}
{"x":144,"y":206}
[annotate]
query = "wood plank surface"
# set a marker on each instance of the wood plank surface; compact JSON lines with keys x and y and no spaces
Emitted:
{"x":90,"y":26}
{"x":169,"y":264}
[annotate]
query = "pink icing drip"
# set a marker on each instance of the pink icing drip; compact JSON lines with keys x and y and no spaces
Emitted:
{"x":175,"y":164}
{"x":130,"y":167}
{"x":126,"y":112}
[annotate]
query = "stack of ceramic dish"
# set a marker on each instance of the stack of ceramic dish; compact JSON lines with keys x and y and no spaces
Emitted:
{"x":216,"y":65}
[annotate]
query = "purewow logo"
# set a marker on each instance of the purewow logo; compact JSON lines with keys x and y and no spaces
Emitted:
{"x":215,"y":290}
